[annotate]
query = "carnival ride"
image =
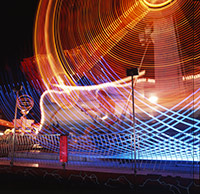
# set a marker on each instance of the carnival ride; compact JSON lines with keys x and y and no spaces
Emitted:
{"x":82,"y":47}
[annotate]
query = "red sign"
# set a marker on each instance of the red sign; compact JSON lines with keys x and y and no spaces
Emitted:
{"x":63,"y":148}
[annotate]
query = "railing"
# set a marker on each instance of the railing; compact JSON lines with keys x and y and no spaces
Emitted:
{"x":105,"y":151}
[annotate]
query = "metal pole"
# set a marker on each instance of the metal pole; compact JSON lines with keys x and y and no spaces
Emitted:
{"x":13,"y":137}
{"x":134,"y":136}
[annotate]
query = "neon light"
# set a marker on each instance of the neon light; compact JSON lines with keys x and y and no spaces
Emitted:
{"x":156,"y":4}
{"x":163,"y":131}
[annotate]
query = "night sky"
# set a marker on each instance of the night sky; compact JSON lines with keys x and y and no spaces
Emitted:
{"x":17,"y":25}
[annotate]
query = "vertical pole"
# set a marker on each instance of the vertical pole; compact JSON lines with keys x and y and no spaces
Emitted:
{"x":13,"y":137}
{"x":134,"y":136}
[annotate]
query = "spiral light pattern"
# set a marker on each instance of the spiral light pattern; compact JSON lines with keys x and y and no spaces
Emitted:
{"x":93,"y":43}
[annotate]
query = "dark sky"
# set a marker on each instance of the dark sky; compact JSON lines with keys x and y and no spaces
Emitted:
{"x":17,"y":24}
